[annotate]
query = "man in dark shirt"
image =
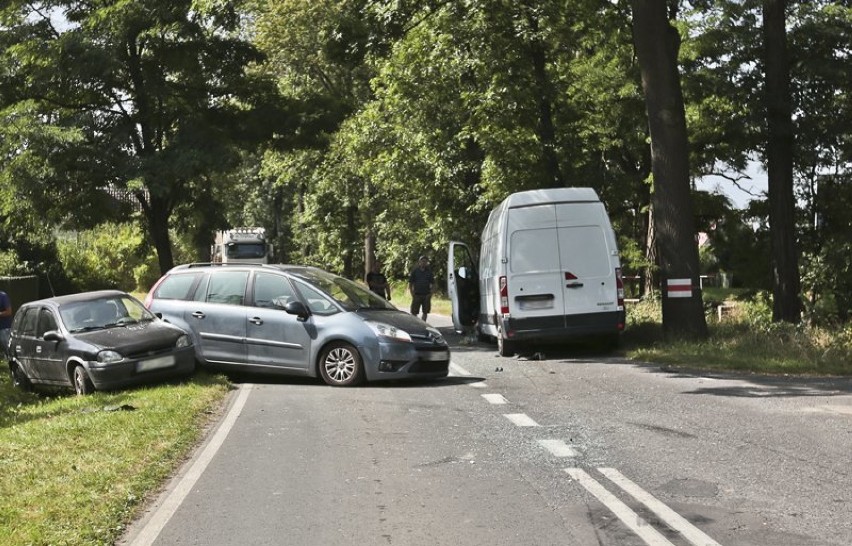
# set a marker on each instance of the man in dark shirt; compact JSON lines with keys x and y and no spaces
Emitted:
{"x":5,"y":322}
{"x":420,"y":284}
{"x":377,"y":282}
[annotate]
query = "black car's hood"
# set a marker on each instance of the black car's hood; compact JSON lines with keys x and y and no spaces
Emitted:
{"x":143,"y":336}
{"x":400,"y":319}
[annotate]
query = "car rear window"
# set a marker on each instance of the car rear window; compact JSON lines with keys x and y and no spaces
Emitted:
{"x":176,"y":287}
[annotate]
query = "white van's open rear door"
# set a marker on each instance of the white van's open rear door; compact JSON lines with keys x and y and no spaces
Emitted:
{"x":462,"y":285}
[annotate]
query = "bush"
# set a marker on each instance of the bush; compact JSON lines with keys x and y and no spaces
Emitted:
{"x":105,"y":257}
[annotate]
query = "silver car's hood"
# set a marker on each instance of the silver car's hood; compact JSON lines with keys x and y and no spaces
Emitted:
{"x":400,"y":319}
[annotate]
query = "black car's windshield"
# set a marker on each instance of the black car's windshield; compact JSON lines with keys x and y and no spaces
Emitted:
{"x":107,"y":312}
{"x":349,"y":295}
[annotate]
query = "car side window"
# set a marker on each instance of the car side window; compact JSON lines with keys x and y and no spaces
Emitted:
{"x":227,"y":287}
{"x":318,"y":302}
{"x":46,"y":322}
{"x":28,"y":323}
{"x":176,"y":287}
{"x":268,"y":287}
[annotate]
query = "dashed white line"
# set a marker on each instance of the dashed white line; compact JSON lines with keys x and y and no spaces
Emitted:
{"x":458,"y":370}
{"x":495,"y":398}
{"x":631,"y":519}
{"x":520,"y":419}
{"x":558,"y":448}
{"x":672,"y":518}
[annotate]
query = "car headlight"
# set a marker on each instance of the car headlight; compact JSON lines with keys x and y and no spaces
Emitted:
{"x":391,"y":332}
{"x":108,"y":357}
{"x":436,"y":335}
{"x":183,"y":341}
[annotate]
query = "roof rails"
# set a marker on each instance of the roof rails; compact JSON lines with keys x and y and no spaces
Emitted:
{"x":217,"y":264}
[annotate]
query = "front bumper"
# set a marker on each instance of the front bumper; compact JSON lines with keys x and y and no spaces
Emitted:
{"x":128,"y":372}
{"x":402,"y":360}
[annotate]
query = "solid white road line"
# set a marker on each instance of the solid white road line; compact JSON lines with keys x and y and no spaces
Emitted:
{"x":558,"y":448}
{"x":520,"y":419}
{"x":631,"y":519}
{"x":672,"y":518}
{"x":165,"y":511}
{"x":495,"y":398}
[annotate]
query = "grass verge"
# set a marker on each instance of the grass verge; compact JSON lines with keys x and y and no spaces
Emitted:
{"x":74,"y":470}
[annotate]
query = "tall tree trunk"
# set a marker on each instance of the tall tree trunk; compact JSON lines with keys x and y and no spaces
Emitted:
{"x":786,"y":305}
{"x":544,"y":96}
{"x":369,"y":250}
{"x":651,"y":277}
{"x":157,"y":213}
{"x":657,"y":44}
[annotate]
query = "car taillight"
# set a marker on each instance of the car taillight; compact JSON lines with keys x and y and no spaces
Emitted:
{"x":149,"y":297}
{"x":619,"y":289}
{"x":504,"y":296}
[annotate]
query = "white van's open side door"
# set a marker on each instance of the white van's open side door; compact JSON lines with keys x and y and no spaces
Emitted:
{"x":462,"y":286}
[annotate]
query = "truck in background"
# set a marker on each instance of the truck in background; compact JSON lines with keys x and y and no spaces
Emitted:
{"x":241,"y":245}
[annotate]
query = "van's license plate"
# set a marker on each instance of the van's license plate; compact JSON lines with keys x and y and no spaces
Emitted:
{"x":155,"y":363}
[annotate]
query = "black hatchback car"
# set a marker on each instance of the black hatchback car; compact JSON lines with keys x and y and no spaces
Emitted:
{"x":95,"y":340}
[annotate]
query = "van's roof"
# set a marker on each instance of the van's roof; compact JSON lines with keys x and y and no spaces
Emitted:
{"x":552,"y":195}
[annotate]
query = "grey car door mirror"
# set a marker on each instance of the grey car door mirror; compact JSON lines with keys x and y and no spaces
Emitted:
{"x":297,"y":308}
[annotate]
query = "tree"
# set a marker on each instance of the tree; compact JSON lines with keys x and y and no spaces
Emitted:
{"x":150,"y":97}
{"x":786,"y":305}
{"x":657,"y":43}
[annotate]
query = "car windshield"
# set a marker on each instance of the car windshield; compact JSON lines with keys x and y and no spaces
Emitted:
{"x":349,"y":295}
{"x":107,"y":312}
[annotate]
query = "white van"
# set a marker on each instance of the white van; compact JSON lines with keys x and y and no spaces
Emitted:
{"x":548,"y":270}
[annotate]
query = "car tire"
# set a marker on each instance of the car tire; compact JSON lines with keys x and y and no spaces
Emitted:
{"x":82,"y":384}
{"x":19,"y":378}
{"x":340,"y":365}
{"x":504,"y":347}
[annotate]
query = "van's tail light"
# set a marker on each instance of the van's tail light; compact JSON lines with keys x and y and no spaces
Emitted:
{"x":504,"y":296}
{"x":619,"y":286}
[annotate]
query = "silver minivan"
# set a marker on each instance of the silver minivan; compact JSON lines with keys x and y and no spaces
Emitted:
{"x":297,"y":320}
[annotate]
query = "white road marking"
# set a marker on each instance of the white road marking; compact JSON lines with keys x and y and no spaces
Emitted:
{"x":495,"y":398}
{"x":520,"y":419}
{"x":672,"y":518}
{"x":631,"y":519}
{"x":478,"y":385}
{"x":165,"y":511}
{"x":558,"y":448}
{"x":458,"y":370}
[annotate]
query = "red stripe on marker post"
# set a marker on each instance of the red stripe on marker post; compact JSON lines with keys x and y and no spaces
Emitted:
{"x":679,"y":288}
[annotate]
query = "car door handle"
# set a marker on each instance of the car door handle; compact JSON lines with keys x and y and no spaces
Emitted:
{"x":198,"y":314}
{"x":38,"y":350}
{"x":256,"y":320}
{"x":574,"y":285}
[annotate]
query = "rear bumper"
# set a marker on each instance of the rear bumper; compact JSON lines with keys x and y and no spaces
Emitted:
{"x":563,"y":327}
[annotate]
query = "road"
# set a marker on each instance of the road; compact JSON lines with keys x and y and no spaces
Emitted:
{"x":572,"y":448}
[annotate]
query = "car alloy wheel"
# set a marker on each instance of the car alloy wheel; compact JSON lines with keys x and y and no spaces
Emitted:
{"x":341,"y":365}
{"x":82,"y":384}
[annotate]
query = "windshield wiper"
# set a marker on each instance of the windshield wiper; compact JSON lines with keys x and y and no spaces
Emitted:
{"x":86,"y":329}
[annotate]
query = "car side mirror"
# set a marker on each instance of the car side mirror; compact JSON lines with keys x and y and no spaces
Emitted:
{"x":297,"y":308}
{"x":53,"y":335}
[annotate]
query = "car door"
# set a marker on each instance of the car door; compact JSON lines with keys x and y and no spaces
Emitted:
{"x":48,"y":355}
{"x":462,"y":285}
{"x":217,"y":315}
{"x":275,"y":339}
{"x":585,"y":259}
{"x":23,"y":343}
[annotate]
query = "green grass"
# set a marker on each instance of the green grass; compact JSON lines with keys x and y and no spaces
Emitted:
{"x":74,"y":470}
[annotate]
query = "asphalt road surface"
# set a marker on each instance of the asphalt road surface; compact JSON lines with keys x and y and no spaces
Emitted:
{"x":567,"y":447}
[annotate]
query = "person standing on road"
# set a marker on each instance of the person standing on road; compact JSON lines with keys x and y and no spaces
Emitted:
{"x":377,"y":282}
{"x":420,"y":285}
{"x":5,"y":322}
